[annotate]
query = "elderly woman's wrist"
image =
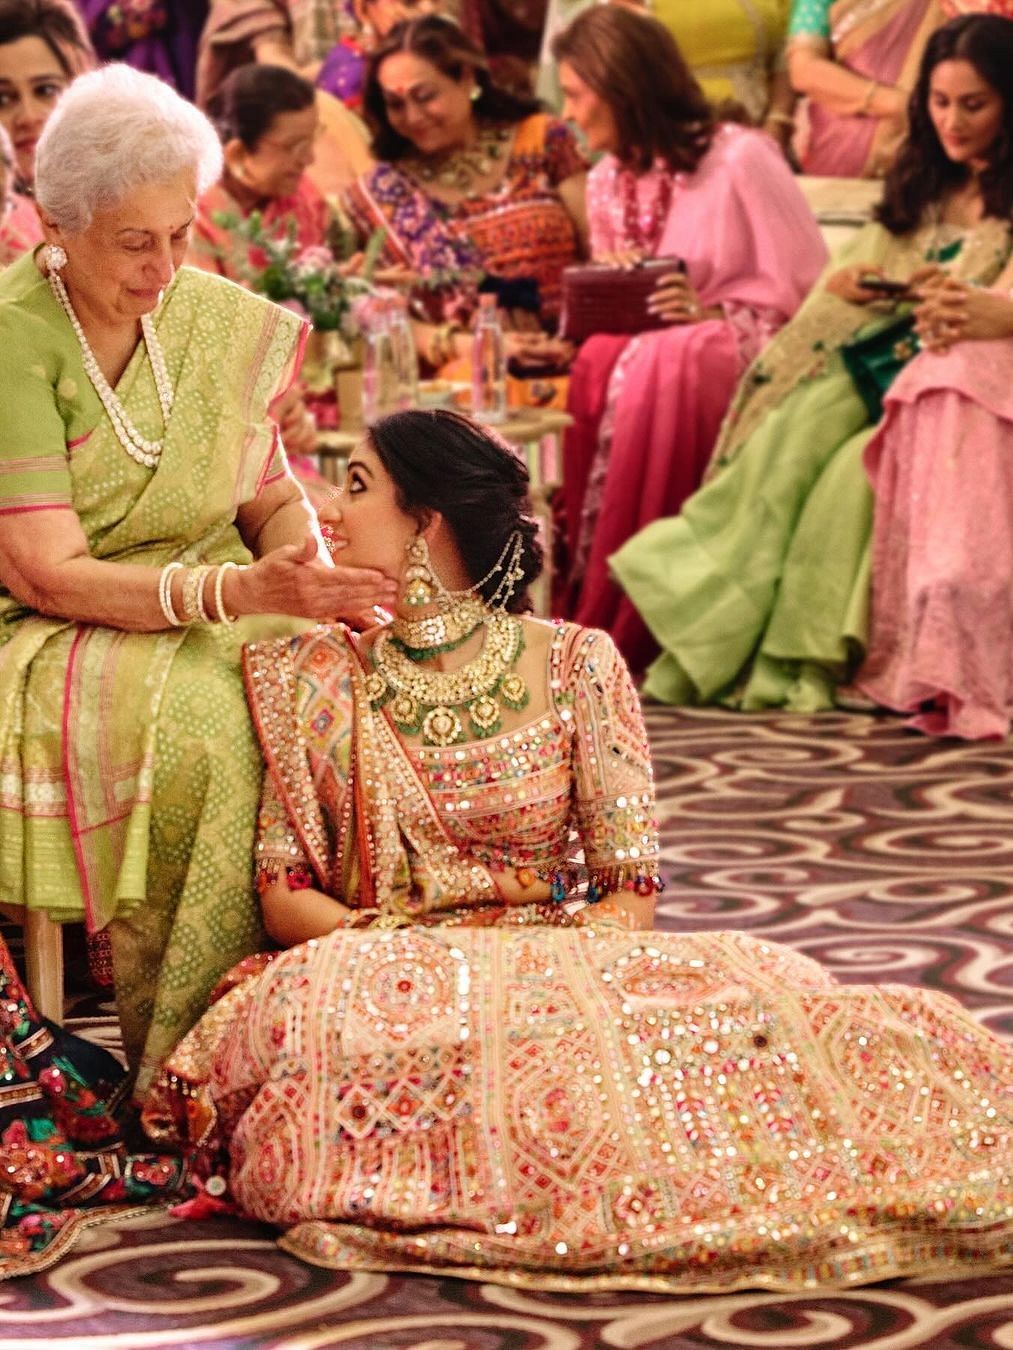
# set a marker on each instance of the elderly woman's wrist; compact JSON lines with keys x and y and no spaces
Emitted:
{"x":239,"y":592}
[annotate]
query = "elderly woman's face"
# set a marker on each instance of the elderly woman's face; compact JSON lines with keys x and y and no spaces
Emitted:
{"x":588,"y":111}
{"x":31,"y":80}
{"x":425,"y":106}
{"x":275,"y":165}
{"x":120,"y":265}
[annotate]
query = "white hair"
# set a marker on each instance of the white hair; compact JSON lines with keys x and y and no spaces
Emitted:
{"x":115,"y":130}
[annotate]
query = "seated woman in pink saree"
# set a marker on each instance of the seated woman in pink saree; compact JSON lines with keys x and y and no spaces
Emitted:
{"x":460,"y":1069}
{"x":647,"y":409}
{"x":857,"y":63}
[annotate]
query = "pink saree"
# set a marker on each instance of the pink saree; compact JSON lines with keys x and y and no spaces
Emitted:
{"x":883,"y":41}
{"x":941,"y":466}
{"x":648,"y":409}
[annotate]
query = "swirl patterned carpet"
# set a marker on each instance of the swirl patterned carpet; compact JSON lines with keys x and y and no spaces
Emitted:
{"x":884,"y":855}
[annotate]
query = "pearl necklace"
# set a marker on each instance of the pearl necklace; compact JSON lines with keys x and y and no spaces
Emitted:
{"x":137,"y":447}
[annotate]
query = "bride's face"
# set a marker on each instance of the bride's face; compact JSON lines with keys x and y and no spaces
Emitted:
{"x":366,"y":518}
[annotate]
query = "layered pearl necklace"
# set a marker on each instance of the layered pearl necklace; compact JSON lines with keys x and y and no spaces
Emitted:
{"x":137,"y":447}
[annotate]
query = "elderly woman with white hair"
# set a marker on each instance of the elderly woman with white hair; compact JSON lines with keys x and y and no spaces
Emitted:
{"x":147,"y":506}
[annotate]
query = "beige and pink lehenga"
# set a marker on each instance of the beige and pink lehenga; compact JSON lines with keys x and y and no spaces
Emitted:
{"x":536,"y":1100}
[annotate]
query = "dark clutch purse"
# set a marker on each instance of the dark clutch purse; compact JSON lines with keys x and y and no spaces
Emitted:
{"x":599,"y":298}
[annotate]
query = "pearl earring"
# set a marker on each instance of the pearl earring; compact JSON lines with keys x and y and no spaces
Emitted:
{"x":475,"y":94}
{"x":56,"y":258}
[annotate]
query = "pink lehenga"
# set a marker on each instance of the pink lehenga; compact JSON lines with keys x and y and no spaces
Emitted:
{"x":941,"y":467}
{"x":542,"y":1101}
{"x":648,"y":409}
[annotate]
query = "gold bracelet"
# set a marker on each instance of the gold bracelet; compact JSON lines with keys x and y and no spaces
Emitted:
{"x":782,"y":119}
{"x":870,"y":94}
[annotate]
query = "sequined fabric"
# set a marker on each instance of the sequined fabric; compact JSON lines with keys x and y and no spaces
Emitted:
{"x":589,"y":1108}
{"x":420,"y":831}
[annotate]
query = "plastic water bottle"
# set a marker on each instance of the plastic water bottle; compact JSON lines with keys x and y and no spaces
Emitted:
{"x":406,"y":361}
{"x":379,"y":372}
{"x":488,"y":364}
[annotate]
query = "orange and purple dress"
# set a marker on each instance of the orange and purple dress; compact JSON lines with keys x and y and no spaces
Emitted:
{"x":519,"y":234}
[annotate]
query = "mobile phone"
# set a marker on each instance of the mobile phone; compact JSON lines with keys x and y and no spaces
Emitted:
{"x":884,"y":286}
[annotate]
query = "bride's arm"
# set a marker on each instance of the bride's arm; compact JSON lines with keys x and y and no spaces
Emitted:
{"x":613,"y":786}
{"x":292,"y":908}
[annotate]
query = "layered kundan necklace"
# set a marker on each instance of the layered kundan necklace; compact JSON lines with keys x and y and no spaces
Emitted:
{"x":137,"y":446}
{"x":435,"y":702}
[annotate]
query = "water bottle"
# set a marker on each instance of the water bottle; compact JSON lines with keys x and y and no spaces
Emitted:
{"x":488,"y":364}
{"x":406,"y":361}
{"x":379,"y":373}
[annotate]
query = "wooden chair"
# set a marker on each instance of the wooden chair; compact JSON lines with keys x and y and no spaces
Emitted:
{"x":44,"y":963}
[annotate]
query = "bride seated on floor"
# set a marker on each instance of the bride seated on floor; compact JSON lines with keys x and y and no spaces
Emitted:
{"x":480,"y":1063}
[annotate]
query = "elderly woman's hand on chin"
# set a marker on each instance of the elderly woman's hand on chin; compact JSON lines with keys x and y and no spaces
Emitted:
{"x":296,"y":579}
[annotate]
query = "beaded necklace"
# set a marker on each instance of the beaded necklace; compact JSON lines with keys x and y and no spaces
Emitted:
{"x":143,"y":451}
{"x":642,"y":225}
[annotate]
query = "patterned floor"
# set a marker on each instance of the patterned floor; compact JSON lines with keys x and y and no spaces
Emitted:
{"x":887,"y":856}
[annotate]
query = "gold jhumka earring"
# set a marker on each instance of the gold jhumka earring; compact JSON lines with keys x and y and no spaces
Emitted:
{"x":431,"y":702}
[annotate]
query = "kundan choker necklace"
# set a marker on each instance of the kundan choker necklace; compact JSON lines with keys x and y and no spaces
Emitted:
{"x":430,"y":702}
{"x":137,"y":446}
{"x":438,"y":633}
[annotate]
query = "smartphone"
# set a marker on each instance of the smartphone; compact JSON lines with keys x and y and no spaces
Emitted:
{"x":884,"y":286}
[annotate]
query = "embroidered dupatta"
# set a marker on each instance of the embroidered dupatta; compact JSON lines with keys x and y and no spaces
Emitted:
{"x":80,"y":704}
{"x":389,"y":850}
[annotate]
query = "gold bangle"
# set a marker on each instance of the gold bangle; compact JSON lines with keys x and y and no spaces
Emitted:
{"x":870,"y":94}
{"x":782,"y":119}
{"x":193,"y":585}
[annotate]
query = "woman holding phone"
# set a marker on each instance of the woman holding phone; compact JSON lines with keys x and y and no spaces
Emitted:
{"x":758,"y":591}
{"x":714,"y":207}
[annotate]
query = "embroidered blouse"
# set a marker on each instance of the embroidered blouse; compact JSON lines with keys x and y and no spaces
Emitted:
{"x":577,"y":778}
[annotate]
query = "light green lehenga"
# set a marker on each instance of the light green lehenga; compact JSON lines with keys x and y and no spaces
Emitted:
{"x":758,"y":591}
{"x":130,"y":772}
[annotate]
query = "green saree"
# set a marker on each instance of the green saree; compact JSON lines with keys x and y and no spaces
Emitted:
{"x":757,"y":592}
{"x":130,"y":773}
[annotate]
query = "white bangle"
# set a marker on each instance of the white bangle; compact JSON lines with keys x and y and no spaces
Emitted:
{"x":219,"y":582}
{"x":165,"y":593}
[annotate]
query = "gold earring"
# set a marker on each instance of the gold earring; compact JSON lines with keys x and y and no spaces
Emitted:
{"x":420,"y":588}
